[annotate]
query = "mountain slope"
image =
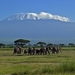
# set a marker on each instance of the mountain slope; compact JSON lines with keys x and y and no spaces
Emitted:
{"x":39,"y":29}
{"x":45,"y":29}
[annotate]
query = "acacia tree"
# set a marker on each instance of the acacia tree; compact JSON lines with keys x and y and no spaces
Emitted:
{"x":21,"y":42}
{"x":71,"y":44}
{"x":41,"y":43}
{"x":2,"y":45}
{"x":62,"y":45}
{"x":50,"y":44}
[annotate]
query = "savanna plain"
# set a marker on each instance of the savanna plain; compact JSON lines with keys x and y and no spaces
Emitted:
{"x":53,"y":64}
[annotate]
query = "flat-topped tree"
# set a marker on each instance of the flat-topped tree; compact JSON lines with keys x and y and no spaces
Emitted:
{"x":21,"y":42}
{"x":2,"y":45}
{"x":41,"y":43}
{"x":71,"y":44}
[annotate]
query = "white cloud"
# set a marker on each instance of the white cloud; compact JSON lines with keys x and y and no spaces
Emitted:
{"x":32,"y":16}
{"x":44,"y":15}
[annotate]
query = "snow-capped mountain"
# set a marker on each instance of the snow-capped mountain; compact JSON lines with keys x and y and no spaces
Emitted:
{"x":38,"y":27}
{"x":35,"y":16}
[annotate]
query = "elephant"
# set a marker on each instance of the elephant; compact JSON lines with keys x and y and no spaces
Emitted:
{"x":17,"y":50}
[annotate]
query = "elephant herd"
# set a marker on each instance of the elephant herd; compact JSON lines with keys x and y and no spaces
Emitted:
{"x":38,"y":51}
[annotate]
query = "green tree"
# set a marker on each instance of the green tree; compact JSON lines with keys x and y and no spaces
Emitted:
{"x":50,"y":44}
{"x":71,"y":44}
{"x":2,"y":45}
{"x":41,"y":43}
{"x":21,"y":42}
{"x":10,"y":45}
{"x":62,"y":45}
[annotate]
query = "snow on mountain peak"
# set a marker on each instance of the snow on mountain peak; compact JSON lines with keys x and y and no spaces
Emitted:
{"x":34,"y":16}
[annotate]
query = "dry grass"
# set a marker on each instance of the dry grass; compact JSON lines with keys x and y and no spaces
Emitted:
{"x":53,"y":64}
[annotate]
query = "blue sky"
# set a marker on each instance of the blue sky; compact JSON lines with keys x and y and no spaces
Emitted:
{"x":56,"y":7}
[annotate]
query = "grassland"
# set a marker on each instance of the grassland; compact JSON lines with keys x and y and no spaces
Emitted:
{"x":53,"y":64}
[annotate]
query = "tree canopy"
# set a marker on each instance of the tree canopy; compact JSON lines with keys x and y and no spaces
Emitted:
{"x":41,"y":43}
{"x":71,"y":44}
{"x":21,"y":42}
{"x":50,"y":44}
{"x":1,"y":44}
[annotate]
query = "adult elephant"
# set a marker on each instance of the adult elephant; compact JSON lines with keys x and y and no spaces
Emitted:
{"x":47,"y":50}
{"x":17,"y":50}
{"x":56,"y":50}
{"x":29,"y":51}
{"x":42,"y":50}
{"x":37,"y":51}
